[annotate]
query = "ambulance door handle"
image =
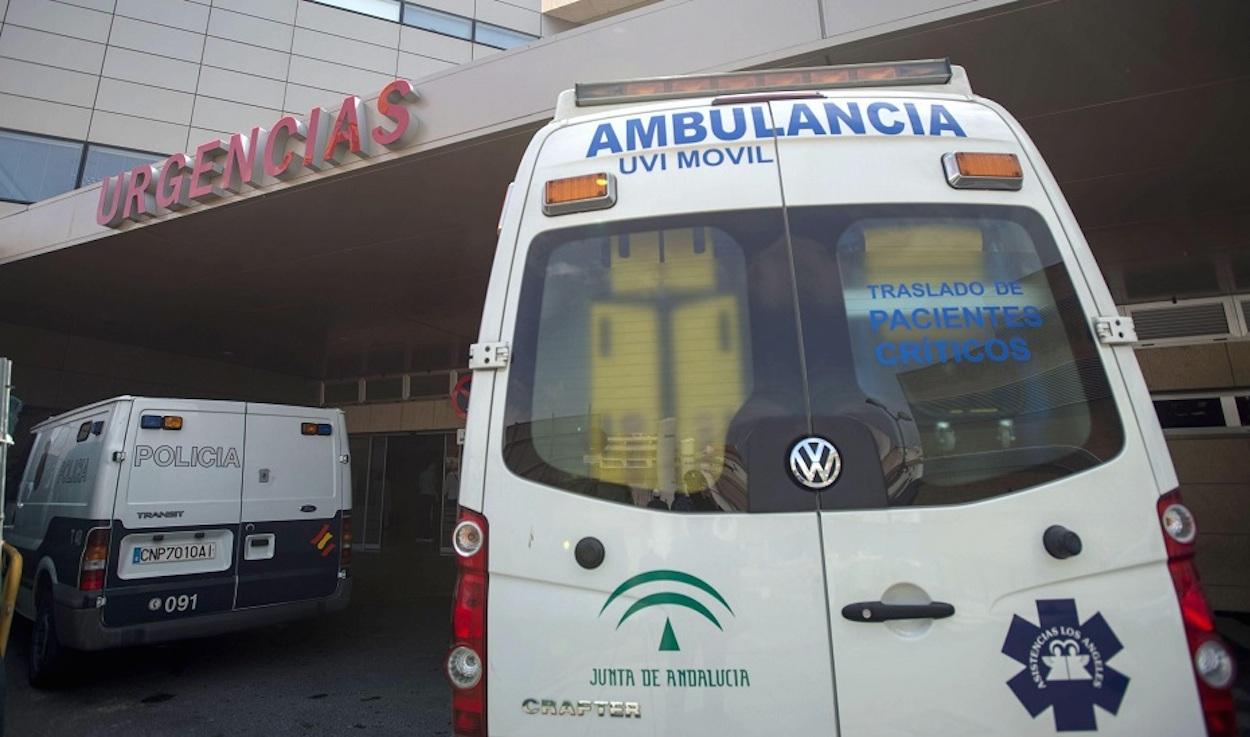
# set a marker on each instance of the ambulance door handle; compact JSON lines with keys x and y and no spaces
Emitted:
{"x":879,"y":611}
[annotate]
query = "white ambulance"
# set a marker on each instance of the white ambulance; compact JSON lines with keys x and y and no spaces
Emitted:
{"x":146,"y":520}
{"x":801,"y":408}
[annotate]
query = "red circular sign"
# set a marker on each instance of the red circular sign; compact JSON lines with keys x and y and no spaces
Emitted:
{"x":460,"y":396}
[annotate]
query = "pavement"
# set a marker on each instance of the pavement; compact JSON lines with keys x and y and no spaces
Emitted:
{"x":1236,"y":632}
{"x":373,"y":670}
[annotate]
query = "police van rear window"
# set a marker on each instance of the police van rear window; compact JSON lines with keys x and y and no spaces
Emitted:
{"x":671,"y":362}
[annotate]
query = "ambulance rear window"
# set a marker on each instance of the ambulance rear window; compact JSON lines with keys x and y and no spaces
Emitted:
{"x":671,"y":362}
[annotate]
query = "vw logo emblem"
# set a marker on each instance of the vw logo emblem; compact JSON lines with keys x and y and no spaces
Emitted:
{"x":815,"y":463}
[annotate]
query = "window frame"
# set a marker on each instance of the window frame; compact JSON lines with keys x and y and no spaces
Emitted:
{"x":787,"y":498}
{"x":1043,"y":240}
{"x":506,"y":30}
{"x":360,"y":390}
{"x":336,"y":6}
{"x":82,"y":148}
{"x":86,"y":151}
{"x":369,"y":399}
{"x":472,"y":23}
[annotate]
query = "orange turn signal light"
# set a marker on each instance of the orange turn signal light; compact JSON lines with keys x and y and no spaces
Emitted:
{"x":988,"y":165}
{"x":577,"y":188}
{"x":971,"y":170}
{"x":171,"y":422}
{"x":579,"y":194}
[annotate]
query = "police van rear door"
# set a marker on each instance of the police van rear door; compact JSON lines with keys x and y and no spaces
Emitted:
{"x":951,"y":363}
{"x":293,"y":486}
{"x":176,"y":518}
{"x":655,"y":383}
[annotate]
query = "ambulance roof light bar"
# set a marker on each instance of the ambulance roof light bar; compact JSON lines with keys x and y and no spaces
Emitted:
{"x":880,"y":74}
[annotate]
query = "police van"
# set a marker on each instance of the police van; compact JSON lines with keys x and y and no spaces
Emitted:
{"x":800,"y":407}
{"x":145,"y":520}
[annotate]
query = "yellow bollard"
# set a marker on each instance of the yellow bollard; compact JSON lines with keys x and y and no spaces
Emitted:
{"x":12,"y":579}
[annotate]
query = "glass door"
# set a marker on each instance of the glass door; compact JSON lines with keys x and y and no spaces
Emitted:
{"x":368,"y":490}
{"x":451,"y":492}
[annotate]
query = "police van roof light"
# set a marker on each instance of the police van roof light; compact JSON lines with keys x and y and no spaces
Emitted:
{"x":925,"y":71}
{"x":965,"y":170}
{"x":159,"y":422}
{"x":579,"y":194}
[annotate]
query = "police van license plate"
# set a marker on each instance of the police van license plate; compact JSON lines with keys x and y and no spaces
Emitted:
{"x":180,"y":553}
{"x":156,"y":554}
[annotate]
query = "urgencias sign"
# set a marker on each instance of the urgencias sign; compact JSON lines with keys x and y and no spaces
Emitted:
{"x":257,"y":159}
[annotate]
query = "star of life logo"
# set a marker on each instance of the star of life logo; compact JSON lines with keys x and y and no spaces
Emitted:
{"x":1065,"y":665}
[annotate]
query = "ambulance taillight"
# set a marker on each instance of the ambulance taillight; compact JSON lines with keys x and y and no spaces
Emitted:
{"x":95,"y":555}
{"x":466,"y":662}
{"x":1214,"y":668}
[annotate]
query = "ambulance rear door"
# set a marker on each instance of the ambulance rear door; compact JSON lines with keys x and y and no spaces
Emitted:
{"x":954,"y":326}
{"x":654,"y":384}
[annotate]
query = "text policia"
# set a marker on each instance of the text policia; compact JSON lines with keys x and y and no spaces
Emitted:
{"x":950,"y":320}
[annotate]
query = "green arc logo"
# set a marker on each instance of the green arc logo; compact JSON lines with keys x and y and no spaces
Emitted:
{"x":668,"y":641}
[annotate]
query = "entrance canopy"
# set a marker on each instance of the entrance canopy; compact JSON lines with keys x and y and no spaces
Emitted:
{"x":396,"y":253}
{"x":1136,"y":105}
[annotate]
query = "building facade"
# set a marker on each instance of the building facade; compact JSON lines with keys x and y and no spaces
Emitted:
{"x":94,"y":86}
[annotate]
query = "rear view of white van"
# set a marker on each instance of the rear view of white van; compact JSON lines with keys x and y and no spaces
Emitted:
{"x":800,"y":407}
{"x":147,"y":520}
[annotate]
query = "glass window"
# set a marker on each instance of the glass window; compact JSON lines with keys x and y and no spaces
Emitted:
{"x":1154,"y":281}
{"x":33,"y":168}
{"x":944,"y":352}
{"x":437,"y":21}
{"x":384,"y":390}
{"x":342,"y":392}
{"x":40,"y":475}
{"x":385,"y":9}
{"x":955,"y":346}
{"x":104,"y":161}
{"x":1200,"y":412}
{"x":428,"y":385}
{"x":656,"y":363}
{"x":501,"y":38}
{"x":35,"y":477}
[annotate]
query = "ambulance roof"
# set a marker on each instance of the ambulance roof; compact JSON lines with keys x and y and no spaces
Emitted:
{"x":933,"y":76}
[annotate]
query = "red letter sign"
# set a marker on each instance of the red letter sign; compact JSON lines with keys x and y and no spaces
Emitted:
{"x":391,"y":105}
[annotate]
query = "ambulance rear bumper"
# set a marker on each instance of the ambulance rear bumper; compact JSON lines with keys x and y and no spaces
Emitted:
{"x":84,"y":629}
